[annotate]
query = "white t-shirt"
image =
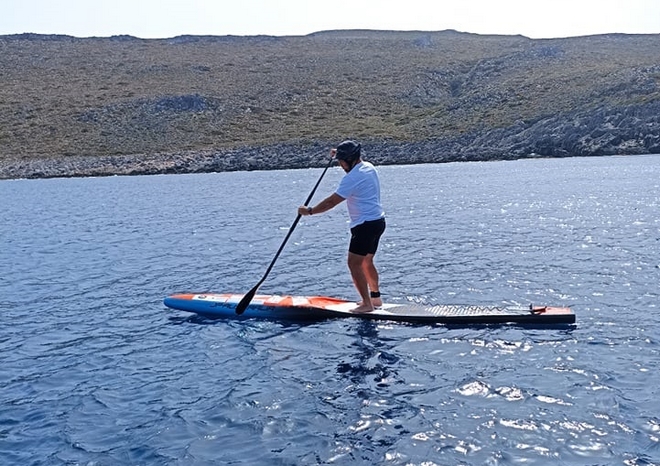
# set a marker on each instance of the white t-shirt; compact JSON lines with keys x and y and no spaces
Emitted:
{"x":361,"y":189}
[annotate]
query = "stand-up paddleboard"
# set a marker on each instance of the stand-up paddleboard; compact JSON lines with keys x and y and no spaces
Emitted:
{"x":322,"y":307}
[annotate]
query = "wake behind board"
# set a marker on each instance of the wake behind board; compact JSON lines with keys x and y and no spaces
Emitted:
{"x":323,"y":307}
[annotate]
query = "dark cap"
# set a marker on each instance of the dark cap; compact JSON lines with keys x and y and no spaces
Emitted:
{"x":348,"y":151}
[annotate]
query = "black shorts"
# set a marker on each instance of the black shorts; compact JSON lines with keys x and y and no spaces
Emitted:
{"x":365,"y":237}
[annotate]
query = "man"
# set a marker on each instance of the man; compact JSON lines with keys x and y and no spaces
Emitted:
{"x":360,"y":188}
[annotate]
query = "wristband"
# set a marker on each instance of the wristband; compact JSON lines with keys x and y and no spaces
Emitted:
{"x":309,"y":210}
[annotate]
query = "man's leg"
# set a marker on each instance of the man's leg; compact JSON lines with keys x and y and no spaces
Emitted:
{"x":356,"y":267}
{"x":371,"y":275}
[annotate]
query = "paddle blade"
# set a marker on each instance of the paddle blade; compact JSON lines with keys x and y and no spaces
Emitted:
{"x":245,"y":302}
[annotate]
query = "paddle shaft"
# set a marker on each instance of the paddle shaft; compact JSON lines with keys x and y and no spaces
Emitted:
{"x":245,"y":302}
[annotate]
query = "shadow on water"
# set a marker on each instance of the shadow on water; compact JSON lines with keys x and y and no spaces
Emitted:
{"x":368,"y":345}
{"x":192,"y":319}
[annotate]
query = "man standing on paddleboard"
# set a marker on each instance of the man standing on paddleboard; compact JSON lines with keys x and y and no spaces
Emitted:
{"x":360,"y":188}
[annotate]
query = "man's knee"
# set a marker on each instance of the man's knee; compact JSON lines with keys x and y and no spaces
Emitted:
{"x":355,"y":260}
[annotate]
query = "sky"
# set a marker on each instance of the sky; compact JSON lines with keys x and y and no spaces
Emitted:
{"x":169,"y":18}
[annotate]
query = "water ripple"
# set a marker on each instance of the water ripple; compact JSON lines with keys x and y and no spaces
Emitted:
{"x":96,"y":371}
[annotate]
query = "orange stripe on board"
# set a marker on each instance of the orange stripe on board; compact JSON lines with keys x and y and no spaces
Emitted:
{"x":324,"y":302}
{"x":319,"y":302}
{"x":550,"y":310}
{"x":278,"y":301}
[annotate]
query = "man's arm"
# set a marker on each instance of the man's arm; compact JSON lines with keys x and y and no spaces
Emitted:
{"x":326,"y":204}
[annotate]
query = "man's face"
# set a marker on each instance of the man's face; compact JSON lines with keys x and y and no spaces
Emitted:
{"x":344,"y":164}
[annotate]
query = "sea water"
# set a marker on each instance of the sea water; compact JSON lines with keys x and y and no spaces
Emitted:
{"x":94,"y":370}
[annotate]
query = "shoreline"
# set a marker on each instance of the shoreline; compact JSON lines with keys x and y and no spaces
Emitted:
{"x":276,"y":157}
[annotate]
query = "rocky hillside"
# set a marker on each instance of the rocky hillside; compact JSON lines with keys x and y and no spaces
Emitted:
{"x":122,"y":105}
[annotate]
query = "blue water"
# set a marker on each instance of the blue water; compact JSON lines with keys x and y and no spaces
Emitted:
{"x":94,"y":370}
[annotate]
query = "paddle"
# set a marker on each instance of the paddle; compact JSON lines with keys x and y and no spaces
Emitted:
{"x":243,"y":304}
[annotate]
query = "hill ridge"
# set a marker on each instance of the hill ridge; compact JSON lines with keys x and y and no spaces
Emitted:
{"x":179,"y":104}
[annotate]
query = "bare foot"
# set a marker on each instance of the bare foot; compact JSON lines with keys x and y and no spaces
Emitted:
{"x":362,"y":309}
{"x":376,"y":302}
